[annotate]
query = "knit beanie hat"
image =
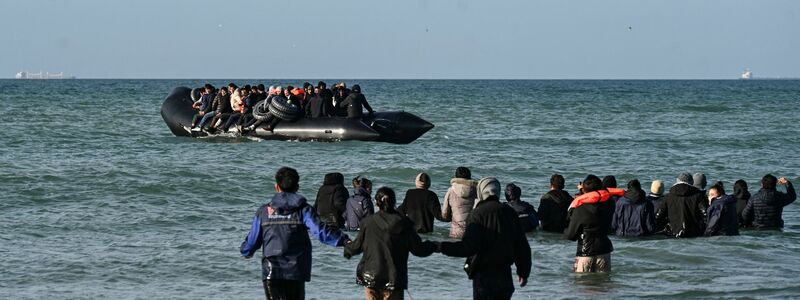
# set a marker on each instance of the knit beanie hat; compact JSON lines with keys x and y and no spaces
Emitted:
{"x":699,"y":180}
{"x":487,"y":187}
{"x":657,"y":188}
{"x":685,"y":178}
{"x":423,"y":181}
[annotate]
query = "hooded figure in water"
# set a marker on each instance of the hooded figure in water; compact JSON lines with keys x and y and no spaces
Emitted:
{"x":492,"y":242}
{"x":634,"y":214}
{"x":386,"y":238}
{"x":459,"y":201}
{"x":684,"y":210}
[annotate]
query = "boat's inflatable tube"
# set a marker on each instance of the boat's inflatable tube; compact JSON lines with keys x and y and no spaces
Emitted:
{"x":195,"y":93}
{"x":391,"y":127}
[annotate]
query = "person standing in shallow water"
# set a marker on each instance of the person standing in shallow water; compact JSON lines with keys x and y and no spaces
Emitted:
{"x":589,"y":225}
{"x":722,"y":219}
{"x":742,"y":197}
{"x":554,"y":205}
{"x":528,"y":218}
{"x":700,"y":182}
{"x":765,"y":208}
{"x":386,"y":238}
{"x":634,"y":214}
{"x":359,"y":206}
{"x":492,"y":242}
{"x":281,"y":228}
{"x":332,"y":200}
{"x":422,"y":205}
{"x":684,"y":210}
{"x":459,"y":201}
{"x":656,"y":195}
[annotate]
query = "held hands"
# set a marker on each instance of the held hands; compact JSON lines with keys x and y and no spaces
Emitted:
{"x":783,"y":181}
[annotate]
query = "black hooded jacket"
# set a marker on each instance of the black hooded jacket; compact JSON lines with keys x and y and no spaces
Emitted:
{"x":553,"y":210}
{"x":742,"y":197}
{"x":386,"y":239}
{"x":355,"y":104}
{"x":590,"y":225}
{"x":683,"y":211}
{"x":421,"y":206}
{"x":332,"y":200}
{"x":493,"y":240}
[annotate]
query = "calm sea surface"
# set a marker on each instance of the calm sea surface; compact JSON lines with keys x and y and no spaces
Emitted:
{"x":99,"y":200}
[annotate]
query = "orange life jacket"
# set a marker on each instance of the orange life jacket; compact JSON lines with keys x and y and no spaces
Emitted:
{"x":596,"y":197}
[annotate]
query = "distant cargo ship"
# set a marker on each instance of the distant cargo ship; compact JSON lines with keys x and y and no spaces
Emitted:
{"x":41,"y":75}
{"x":746,"y":74}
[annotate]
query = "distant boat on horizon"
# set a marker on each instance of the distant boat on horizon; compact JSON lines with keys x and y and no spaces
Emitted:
{"x":41,"y":75}
{"x":747,"y":74}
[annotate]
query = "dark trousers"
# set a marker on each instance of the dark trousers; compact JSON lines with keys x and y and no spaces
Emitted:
{"x":492,"y":286}
{"x":279,"y":289}
{"x":233,"y":119}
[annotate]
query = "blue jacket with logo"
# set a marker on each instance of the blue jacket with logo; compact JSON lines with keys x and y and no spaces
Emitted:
{"x":282,"y":227}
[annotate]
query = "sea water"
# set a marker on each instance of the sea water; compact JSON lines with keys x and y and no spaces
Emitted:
{"x":101,"y":200}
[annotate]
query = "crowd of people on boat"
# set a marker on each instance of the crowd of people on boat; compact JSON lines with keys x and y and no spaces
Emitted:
{"x":246,"y":108}
{"x":488,"y":232}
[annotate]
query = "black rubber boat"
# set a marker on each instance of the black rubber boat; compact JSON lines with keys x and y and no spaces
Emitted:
{"x":390,"y":127}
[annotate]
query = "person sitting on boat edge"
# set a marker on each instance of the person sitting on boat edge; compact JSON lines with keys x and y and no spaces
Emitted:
{"x":203,"y":105}
{"x":223,"y":109}
{"x":249,"y":100}
{"x":528,"y":218}
{"x":355,"y":103}
{"x":215,"y":107}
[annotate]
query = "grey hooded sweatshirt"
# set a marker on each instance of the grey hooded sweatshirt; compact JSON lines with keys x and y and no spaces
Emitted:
{"x":458,"y":202}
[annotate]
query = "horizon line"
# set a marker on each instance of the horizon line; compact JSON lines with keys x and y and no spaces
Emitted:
{"x":407,"y":78}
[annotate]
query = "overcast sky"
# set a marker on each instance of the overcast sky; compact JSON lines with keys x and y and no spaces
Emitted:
{"x":534,"y":39}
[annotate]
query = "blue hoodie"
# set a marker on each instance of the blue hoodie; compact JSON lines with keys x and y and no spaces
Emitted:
{"x":281,"y":227}
{"x":722,"y":218}
{"x":634,"y":215}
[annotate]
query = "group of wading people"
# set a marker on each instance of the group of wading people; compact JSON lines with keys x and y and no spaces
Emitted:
{"x":490,"y":234}
{"x":234,"y":107}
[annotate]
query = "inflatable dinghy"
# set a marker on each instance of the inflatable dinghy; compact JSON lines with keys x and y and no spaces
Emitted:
{"x":390,"y":127}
